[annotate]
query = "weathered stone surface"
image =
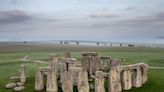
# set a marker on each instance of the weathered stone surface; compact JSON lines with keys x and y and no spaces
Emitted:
{"x":86,"y":62}
{"x":20,"y":83}
{"x":144,"y":70}
{"x":67,"y":81}
{"x":39,"y":81}
{"x":11,"y":85}
{"x":126,"y":80}
{"x":55,"y":66}
{"x":22,"y":74}
{"x":63,"y":67}
{"x":114,"y":63}
{"x":19,"y":88}
{"x":69,"y":62}
{"x":114,"y":81}
{"x":75,"y":71}
{"x":95,"y":64}
{"x":105,"y":57}
{"x":51,"y":81}
{"x":89,"y":53}
{"x":99,"y":82}
{"x":105,"y":63}
{"x":90,"y":62}
{"x":137,"y":78}
{"x":83,"y":85}
{"x":14,"y":77}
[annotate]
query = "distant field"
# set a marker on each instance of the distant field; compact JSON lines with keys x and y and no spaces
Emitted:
{"x":10,"y":53}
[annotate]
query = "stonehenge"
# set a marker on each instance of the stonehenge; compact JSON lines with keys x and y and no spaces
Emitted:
{"x":66,"y":72}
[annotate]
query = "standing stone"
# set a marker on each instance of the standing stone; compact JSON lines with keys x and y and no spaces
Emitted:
{"x":51,"y":81}
{"x":22,"y":74}
{"x":39,"y":81}
{"x":126,"y":80}
{"x":105,"y":63}
{"x":83,"y":85}
{"x":99,"y":82}
{"x":137,"y":77}
{"x":67,"y":82}
{"x":90,"y":65}
{"x":85,"y":63}
{"x":63,"y":68}
{"x":144,"y":70}
{"x":114,"y":81}
{"x":52,"y":64}
{"x":55,"y":66}
{"x":74,"y":71}
{"x":95,"y":64}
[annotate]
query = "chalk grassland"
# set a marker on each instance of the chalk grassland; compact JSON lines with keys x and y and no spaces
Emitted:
{"x":11,"y":53}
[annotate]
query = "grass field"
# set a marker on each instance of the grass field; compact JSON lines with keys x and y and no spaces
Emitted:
{"x":10,"y":53}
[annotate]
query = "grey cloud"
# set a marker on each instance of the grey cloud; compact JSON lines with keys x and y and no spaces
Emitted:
{"x":103,"y":16}
{"x":145,"y":20}
{"x":14,"y":16}
{"x":159,"y":37}
{"x":160,"y":16}
{"x":46,"y":20}
{"x":130,"y":8}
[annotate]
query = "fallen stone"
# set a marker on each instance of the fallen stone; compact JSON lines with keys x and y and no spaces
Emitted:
{"x":14,"y":77}
{"x":20,"y":83}
{"x":11,"y":85}
{"x":19,"y":88}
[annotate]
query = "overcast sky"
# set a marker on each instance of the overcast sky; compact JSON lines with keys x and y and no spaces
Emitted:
{"x":103,"y":20}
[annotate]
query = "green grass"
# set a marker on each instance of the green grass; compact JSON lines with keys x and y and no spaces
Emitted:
{"x":9,"y":63}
